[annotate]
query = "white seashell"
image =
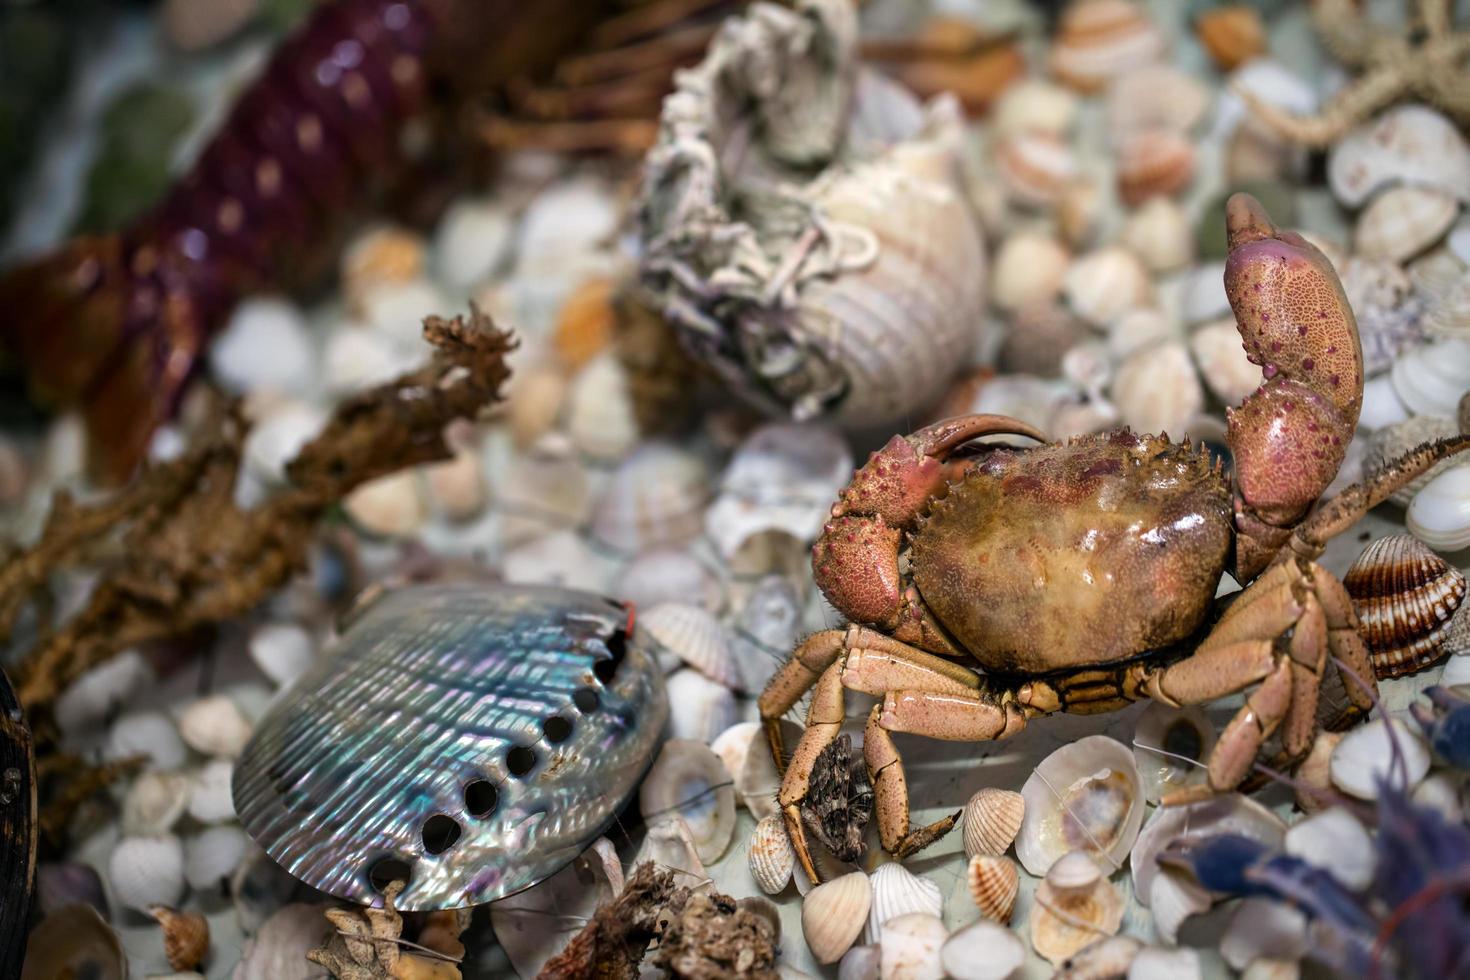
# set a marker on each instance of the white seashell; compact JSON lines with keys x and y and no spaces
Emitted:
{"x":1263,"y":928}
{"x":1390,"y":442}
{"x":993,"y":882}
{"x":390,"y":506}
{"x":355,"y":358}
{"x":833,"y":913}
{"x":456,"y":486}
{"x":1223,"y":363}
{"x":1099,"y":40}
{"x":1087,"y":794}
{"x":1272,"y":83}
{"x":1088,"y":366}
{"x":1172,"y":898}
{"x":278,"y":951}
{"x":898,"y":891}
{"x":700,"y":708}
{"x":1410,"y":144}
{"x":783,"y":478}
{"x":564,"y":558}
{"x":1064,"y":920}
{"x":1365,"y":756}
{"x":1035,"y":167}
{"x":211,"y":856}
{"x":1404,"y":221}
{"x":992,"y":818}
{"x":1204,"y":296}
{"x":982,"y":951}
{"x":1035,"y":106}
{"x":1104,"y":284}
{"x":1157,"y":389}
{"x":1102,"y":959}
{"x":1441,"y":792}
{"x":733,"y":744}
{"x":1156,"y":963}
{"x":1440,"y":513}
{"x":146,"y":871}
{"x":1158,"y":232}
{"x":1164,"y":741}
{"x":1158,"y":96}
{"x":909,"y":947}
{"x":1073,"y":873}
{"x":97,"y":693}
{"x":690,"y":780}
{"x":396,"y":310}
{"x":1228,"y":813}
{"x":276,"y":438}
{"x":155,"y":802}
{"x":1079,"y":211}
{"x":471,"y":242}
{"x":1382,"y":406}
{"x":573,"y":215}
{"x":695,"y":637}
{"x":770,"y":855}
{"x":599,"y":409}
{"x":210,"y":798}
{"x":669,"y":574}
{"x":215,"y":726}
{"x":657,"y":496}
{"x":146,"y":733}
{"x":282,"y":651}
{"x":265,"y":345}
{"x":1137,"y":329}
{"x":1029,"y":268}
{"x":1336,"y":842}
{"x":859,"y":963}
{"x":765,"y":629}
{"x":669,"y":843}
{"x":756,"y":780}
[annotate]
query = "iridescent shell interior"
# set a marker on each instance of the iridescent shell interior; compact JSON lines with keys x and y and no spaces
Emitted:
{"x":475,"y":739}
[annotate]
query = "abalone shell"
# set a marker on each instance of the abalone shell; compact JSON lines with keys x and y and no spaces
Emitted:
{"x":471,"y":738}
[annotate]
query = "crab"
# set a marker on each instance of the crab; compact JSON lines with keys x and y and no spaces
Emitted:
{"x":1083,"y":576}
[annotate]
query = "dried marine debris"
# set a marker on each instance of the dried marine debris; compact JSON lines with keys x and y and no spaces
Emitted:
{"x":369,"y":944}
{"x":839,"y":801}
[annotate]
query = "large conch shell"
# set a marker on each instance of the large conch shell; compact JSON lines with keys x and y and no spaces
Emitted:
{"x":853,"y":294}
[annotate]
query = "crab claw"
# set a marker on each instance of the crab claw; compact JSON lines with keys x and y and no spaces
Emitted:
{"x":1289,"y":437}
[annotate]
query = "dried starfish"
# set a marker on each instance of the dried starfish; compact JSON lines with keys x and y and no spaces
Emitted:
{"x":1427,"y":61}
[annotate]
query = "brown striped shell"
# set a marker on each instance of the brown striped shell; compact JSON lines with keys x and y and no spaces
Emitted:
{"x":994,"y":882}
{"x":1404,"y":595}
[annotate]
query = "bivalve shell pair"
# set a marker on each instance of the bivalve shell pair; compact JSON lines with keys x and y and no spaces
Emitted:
{"x":1085,"y":795}
{"x":1440,"y":513}
{"x":1074,"y":906}
{"x":1098,"y":40}
{"x":1405,"y":596}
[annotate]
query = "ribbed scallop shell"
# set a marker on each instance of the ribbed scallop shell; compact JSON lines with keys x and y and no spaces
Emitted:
{"x":770,"y":855}
{"x":657,"y":496}
{"x":898,"y":891}
{"x":1154,"y":162}
{"x":833,"y":913}
{"x":994,"y":881}
{"x":991,"y":821}
{"x":1098,"y":40}
{"x":696,"y":637}
{"x":1404,"y":221}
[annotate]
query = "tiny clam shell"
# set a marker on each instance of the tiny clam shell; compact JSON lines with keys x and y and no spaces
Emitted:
{"x":1223,"y":362}
{"x":898,"y":891}
{"x":1410,"y":144}
{"x":1035,"y":167}
{"x":1404,"y":595}
{"x":1440,"y":513}
{"x":1085,"y":794}
{"x":1157,"y":389}
{"x":1154,"y":162}
{"x":1034,"y":105}
{"x":909,"y":947}
{"x":215,"y":726}
{"x":1182,"y":733}
{"x":1232,"y":35}
{"x":833,"y":913}
{"x":1068,"y":914}
{"x":992,"y":818}
{"x":1159,"y":233}
{"x":1365,"y":756}
{"x":1404,"y":221}
{"x":770,"y":855}
{"x":657,"y":496}
{"x":994,"y":881}
{"x":155,"y":802}
{"x":1159,"y":96}
{"x":689,"y":779}
{"x":696,"y":637}
{"x":982,"y":950}
{"x":1104,"y":284}
{"x":1098,"y":40}
{"x":185,"y":936}
{"x":1029,"y":269}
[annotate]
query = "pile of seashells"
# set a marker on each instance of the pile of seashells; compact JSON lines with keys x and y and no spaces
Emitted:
{"x":1098,"y":178}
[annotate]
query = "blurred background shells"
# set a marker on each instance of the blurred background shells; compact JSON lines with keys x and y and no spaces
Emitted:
{"x":74,"y":941}
{"x":1405,"y":596}
{"x":1231,"y":34}
{"x":1028,"y":270}
{"x":1098,"y":40}
{"x":657,"y":496}
{"x":993,"y":881}
{"x":1157,"y":389}
{"x":1104,"y":284}
{"x":1035,"y":167}
{"x":1086,"y":794}
{"x":1408,"y":144}
{"x":1404,"y":221}
{"x":1154,"y":162}
{"x":991,"y":820}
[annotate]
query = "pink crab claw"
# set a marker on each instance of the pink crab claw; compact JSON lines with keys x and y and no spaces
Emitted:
{"x":1289,"y":437}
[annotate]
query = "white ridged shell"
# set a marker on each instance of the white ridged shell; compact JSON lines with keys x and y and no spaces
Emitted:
{"x":1157,"y":389}
{"x":1440,"y":513}
{"x":898,"y":891}
{"x":993,"y":882}
{"x":1103,"y":285}
{"x":689,"y":780}
{"x":656,"y":497}
{"x":770,"y":855}
{"x":1404,"y":221}
{"x":992,"y":818}
{"x":1411,"y":144}
{"x":696,"y":637}
{"x":1094,"y":780}
{"x":833,"y":913}
{"x":699,"y":708}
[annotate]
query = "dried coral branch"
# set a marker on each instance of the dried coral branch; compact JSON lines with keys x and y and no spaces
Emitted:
{"x":1428,"y":61}
{"x":191,"y":557}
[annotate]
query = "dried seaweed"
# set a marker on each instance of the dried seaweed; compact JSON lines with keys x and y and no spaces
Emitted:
{"x":839,"y":801}
{"x":175,"y":552}
{"x":611,"y":945}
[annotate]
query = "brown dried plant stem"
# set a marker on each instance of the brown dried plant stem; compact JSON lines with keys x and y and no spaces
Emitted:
{"x":174,"y":551}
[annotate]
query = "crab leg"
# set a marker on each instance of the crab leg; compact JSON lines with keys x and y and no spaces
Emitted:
{"x":823,"y":724}
{"x":796,"y":677}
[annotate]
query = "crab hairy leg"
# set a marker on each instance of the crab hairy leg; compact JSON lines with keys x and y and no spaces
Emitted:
{"x":823,"y":724}
{"x":787,"y":686}
{"x":855,"y":560}
{"x":1289,"y":437}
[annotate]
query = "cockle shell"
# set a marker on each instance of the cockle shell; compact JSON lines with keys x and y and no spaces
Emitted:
{"x":474,"y":738}
{"x":1366,"y":755}
{"x":185,"y":936}
{"x":770,"y":855}
{"x":1098,"y":40}
{"x":146,"y":871}
{"x":1158,"y":96}
{"x":155,"y":802}
{"x":994,"y":881}
{"x":982,"y":950}
{"x":1223,"y":362}
{"x":1410,"y":144}
{"x":909,"y":947}
{"x":1103,"y":285}
{"x":992,"y":818}
{"x":1232,"y":35}
{"x":1440,"y":513}
{"x":695,"y":637}
{"x":1153,"y":162}
{"x":1404,"y":221}
{"x":1035,"y":167}
{"x":1157,"y":389}
{"x":833,"y":913}
{"x":1170,"y":745}
{"x":1029,"y":269}
{"x":1073,"y":909}
{"x":898,"y":891}
{"x":1034,"y":105}
{"x":779,"y":263}
{"x":690,"y":780}
{"x":699,"y":708}
{"x":657,"y":496}
{"x":1404,"y":595}
{"x":1158,"y":232}
{"x":1086,"y":794}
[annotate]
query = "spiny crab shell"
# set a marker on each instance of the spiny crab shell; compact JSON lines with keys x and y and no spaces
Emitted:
{"x":1060,"y":538}
{"x":805,"y":224}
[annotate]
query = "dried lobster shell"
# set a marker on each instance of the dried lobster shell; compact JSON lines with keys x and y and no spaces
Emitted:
{"x":805,"y":224}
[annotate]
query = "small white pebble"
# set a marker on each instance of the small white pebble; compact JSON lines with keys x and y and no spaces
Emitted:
{"x":211,"y":800}
{"x":1365,"y":756}
{"x":155,"y":802}
{"x":397,"y":310}
{"x":212,"y":855}
{"x":266,"y":345}
{"x":282,"y":651}
{"x":984,"y":950}
{"x":1336,"y":842}
{"x":146,"y":733}
{"x":390,"y":506}
{"x":570,"y":217}
{"x":214,"y":726}
{"x":95,"y":694}
{"x":1159,"y":963}
{"x":278,"y":437}
{"x":356,"y":358}
{"x":146,"y":871}
{"x":471,"y":242}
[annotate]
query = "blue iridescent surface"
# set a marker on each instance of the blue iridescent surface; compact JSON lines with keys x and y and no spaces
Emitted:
{"x":522,"y":716}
